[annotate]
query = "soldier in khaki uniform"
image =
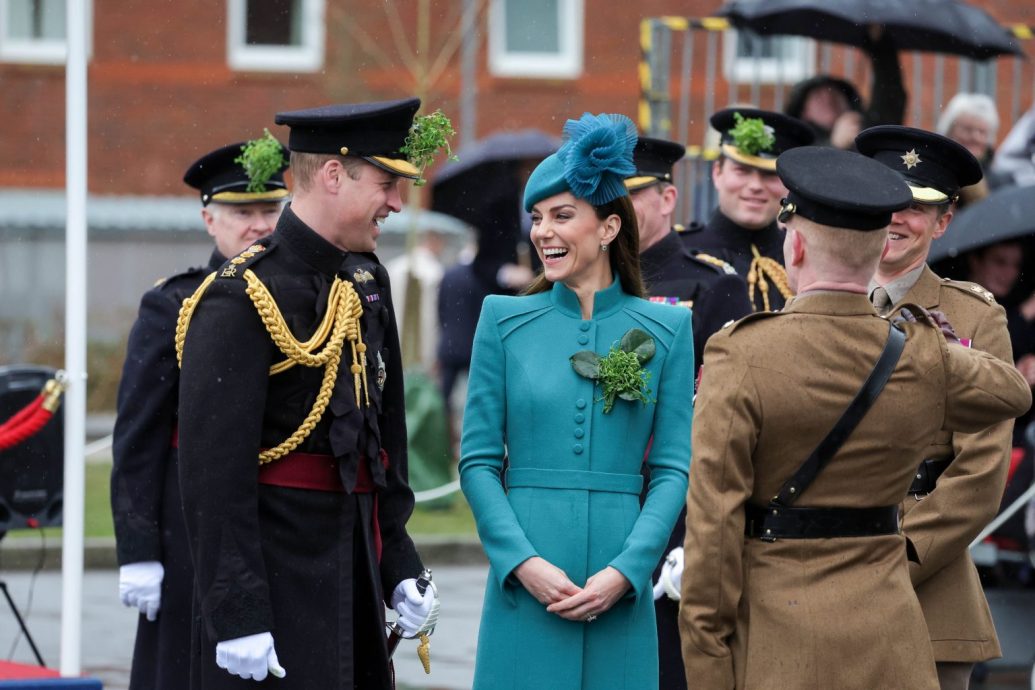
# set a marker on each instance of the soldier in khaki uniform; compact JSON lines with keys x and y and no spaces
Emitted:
{"x":969,"y":470}
{"x":817,"y":595}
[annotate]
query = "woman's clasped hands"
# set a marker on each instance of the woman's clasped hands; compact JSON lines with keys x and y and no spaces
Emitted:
{"x":552,"y":588}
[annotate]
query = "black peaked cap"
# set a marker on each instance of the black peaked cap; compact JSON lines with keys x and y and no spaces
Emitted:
{"x":374,"y":131}
{"x":934,"y":166}
{"x":839,"y":188}
{"x":654,"y":159}
{"x":220,"y":178}
{"x":788,"y":132}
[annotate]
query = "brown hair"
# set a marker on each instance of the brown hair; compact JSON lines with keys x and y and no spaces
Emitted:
{"x":304,"y":166}
{"x":623,"y":252}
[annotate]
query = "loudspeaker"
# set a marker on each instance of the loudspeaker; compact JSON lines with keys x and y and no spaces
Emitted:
{"x":32,"y":473}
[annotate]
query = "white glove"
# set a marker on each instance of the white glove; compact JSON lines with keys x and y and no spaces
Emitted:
{"x":417,"y":613}
{"x":251,"y":656}
{"x":671,"y":576}
{"x":140,"y":585}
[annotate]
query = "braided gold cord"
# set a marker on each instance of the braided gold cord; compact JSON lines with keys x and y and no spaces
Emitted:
{"x":761,"y":268}
{"x":321,"y":334}
{"x":186,"y":312}
{"x":340,"y":323}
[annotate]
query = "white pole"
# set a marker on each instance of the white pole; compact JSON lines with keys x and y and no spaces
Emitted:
{"x":75,"y":339}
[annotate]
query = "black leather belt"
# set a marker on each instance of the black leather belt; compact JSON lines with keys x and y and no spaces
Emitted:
{"x":782,"y":522}
{"x":927,"y":476}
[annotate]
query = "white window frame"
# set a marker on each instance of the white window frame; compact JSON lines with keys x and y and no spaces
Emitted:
{"x":307,"y":57}
{"x":801,"y":64}
{"x":40,"y":51}
{"x":565,"y":64}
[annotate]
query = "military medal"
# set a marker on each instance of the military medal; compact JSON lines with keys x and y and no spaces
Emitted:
{"x":382,"y":372}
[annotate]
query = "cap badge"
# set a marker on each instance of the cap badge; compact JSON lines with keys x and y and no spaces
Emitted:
{"x":911,"y":159}
{"x":362,"y":275}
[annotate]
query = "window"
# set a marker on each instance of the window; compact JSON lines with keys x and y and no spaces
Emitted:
{"x":276,"y":35}
{"x":32,"y":31}
{"x":767,"y":59}
{"x":535,"y":38}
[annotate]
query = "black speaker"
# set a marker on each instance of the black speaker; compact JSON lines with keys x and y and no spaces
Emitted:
{"x":32,"y":473}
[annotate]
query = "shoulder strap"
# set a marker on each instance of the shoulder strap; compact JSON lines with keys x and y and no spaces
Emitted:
{"x":794,"y":487}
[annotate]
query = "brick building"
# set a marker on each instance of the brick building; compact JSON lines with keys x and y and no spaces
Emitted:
{"x":171,"y":79}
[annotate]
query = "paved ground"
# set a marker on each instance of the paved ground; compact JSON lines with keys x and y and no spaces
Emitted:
{"x":108,"y":630}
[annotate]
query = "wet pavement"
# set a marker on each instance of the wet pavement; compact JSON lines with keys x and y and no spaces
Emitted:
{"x":108,"y":630}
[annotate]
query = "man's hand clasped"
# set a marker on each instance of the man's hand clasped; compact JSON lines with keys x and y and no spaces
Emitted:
{"x":250,"y":657}
{"x":418,"y":613}
{"x":140,"y":586}
{"x":551,"y":587}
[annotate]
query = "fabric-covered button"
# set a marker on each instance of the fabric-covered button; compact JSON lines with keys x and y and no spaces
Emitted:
{"x":577,"y":448}
{"x":580,"y":403}
{"x":579,"y":418}
{"x":584,"y":326}
{"x":583,"y":339}
{"x":579,"y":433}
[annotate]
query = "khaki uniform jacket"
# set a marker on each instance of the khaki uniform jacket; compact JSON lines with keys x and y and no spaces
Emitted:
{"x":821,"y":613}
{"x":942,"y":525}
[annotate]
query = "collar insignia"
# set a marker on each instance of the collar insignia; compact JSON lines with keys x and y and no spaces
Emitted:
{"x":362,"y":275}
{"x":911,"y":159}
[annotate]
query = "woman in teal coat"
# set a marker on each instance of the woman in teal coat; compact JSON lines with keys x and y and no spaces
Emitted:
{"x":571,"y":550}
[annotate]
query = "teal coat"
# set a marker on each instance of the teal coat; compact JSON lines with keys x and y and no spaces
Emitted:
{"x":573,"y":484}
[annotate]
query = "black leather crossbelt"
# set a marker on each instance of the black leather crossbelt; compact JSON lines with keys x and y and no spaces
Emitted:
{"x":927,"y":475}
{"x":785,"y":522}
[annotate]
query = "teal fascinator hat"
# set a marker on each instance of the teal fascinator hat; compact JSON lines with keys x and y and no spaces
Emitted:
{"x":592,"y":163}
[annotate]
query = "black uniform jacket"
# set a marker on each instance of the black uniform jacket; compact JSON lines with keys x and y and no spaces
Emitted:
{"x":726,"y":240}
{"x":145,"y":491}
{"x":300,"y":563}
{"x":716,"y":294}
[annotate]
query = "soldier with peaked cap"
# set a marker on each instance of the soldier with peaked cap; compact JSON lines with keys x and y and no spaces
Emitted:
{"x":960,"y":481}
{"x":292,"y":429}
{"x":796,"y":572}
{"x":743,"y":230}
{"x":674,"y":274}
{"x":155,"y":572}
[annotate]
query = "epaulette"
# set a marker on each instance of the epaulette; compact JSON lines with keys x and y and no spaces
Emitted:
{"x":723,"y":266}
{"x":193,"y":270}
{"x":235,"y":267}
{"x":972,"y":289}
{"x":731,"y":326}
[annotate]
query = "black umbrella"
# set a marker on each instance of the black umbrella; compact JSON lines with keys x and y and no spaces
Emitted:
{"x":1004,"y":215}
{"x":939,"y":26}
{"x":484,"y":187}
{"x":525,"y":144}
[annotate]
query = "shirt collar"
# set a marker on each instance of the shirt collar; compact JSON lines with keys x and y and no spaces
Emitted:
{"x":898,"y":287}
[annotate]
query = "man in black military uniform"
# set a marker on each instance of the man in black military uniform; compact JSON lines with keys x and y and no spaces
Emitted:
{"x":674,"y":274}
{"x":743,"y":230}
{"x":155,"y":572}
{"x":292,"y":428}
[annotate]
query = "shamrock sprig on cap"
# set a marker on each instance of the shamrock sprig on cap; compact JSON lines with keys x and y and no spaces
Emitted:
{"x":427,"y":136}
{"x":620,"y":372}
{"x":261,"y":159}
{"x":751,"y":135}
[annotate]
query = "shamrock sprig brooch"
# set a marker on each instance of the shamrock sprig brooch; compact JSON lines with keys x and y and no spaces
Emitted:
{"x":620,"y":372}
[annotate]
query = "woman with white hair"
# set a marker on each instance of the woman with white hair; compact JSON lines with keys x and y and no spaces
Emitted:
{"x":972,"y":120}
